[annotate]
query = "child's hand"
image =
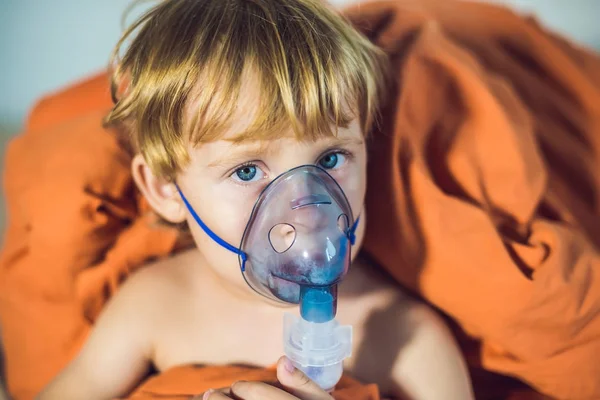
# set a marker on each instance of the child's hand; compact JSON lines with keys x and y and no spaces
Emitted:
{"x":297,"y":387}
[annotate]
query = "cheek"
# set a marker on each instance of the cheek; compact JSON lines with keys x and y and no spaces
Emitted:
{"x":225,"y":214}
{"x":222,"y":261}
{"x":354,"y":184}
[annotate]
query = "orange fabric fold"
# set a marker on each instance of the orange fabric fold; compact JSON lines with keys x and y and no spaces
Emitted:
{"x":482,"y":199}
{"x":487,"y":161}
{"x":181,"y":383}
{"x":75,"y":231}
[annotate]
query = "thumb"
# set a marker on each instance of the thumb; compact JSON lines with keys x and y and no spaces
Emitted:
{"x":297,"y":383}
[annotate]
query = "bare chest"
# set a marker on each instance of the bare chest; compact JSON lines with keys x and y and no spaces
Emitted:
{"x":257,"y":340}
{"x":219,"y":333}
{"x":219,"y":336}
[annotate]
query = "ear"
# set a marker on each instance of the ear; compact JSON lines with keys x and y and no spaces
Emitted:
{"x":161,"y":194}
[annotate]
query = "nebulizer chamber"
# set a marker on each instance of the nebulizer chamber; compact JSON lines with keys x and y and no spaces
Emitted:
{"x":316,"y":345}
{"x":297,"y":243}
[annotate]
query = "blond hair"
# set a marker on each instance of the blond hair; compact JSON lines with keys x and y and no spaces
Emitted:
{"x":313,"y":70}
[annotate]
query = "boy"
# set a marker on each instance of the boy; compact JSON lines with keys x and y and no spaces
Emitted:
{"x":219,"y":97}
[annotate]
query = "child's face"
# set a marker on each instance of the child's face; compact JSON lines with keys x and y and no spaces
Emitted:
{"x":223,"y":181}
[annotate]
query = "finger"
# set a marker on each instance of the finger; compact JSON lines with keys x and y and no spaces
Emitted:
{"x":259,"y":391}
{"x":214,"y":394}
{"x":297,"y":383}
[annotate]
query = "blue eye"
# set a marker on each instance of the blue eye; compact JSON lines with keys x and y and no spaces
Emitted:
{"x":248,"y":173}
{"x":332,"y":160}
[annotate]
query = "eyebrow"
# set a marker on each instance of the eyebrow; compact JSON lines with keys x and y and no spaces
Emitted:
{"x":235,"y":157}
{"x":342,"y":141}
{"x":258,"y":152}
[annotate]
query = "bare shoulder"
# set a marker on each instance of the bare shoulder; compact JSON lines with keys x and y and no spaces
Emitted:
{"x":404,"y":343}
{"x":166,"y":276}
{"x":142,"y":297}
{"x":119,"y":350}
{"x":152,"y":292}
{"x":399,"y":337}
{"x":371,"y":289}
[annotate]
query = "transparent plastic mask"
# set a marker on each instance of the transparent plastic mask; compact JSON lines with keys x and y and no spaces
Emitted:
{"x":298,"y":236}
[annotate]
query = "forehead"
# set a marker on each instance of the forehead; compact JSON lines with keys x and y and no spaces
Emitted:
{"x":224,"y":153}
{"x":254,"y":114}
{"x":229,"y":143}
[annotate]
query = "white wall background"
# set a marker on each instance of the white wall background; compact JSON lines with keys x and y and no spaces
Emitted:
{"x":45,"y":44}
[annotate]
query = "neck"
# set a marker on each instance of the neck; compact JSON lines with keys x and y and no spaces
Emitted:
{"x":236,"y":290}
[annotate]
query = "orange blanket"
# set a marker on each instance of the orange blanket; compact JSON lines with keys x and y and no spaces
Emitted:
{"x":182,"y":382}
{"x":483,"y":199}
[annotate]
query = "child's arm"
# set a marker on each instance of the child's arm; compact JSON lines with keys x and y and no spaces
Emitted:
{"x":430,"y":364}
{"x":117,"y":353}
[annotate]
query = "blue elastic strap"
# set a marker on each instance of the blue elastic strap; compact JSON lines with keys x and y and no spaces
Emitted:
{"x":210,"y":233}
{"x":352,"y":232}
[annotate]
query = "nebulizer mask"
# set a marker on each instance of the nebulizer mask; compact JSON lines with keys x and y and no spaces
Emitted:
{"x":296,"y":249}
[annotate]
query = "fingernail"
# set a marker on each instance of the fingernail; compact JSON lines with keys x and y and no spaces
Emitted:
{"x":288,"y":365}
{"x":207,"y":394}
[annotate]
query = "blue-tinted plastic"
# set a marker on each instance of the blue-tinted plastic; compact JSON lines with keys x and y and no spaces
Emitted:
{"x":316,"y":260}
{"x":318,"y":304}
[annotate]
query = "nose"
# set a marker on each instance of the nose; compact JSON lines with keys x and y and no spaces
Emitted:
{"x":310,"y":200}
{"x":304,"y":188}
{"x":310,"y":218}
